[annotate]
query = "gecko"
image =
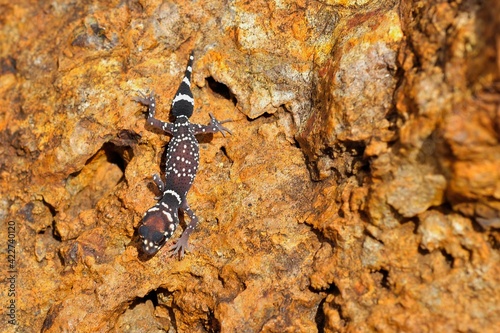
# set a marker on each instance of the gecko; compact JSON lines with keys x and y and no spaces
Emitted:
{"x":182,"y":160}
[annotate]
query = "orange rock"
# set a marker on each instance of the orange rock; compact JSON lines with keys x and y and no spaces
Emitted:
{"x":359,"y":191}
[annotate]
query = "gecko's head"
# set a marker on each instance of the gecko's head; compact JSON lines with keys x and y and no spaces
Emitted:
{"x":156,"y":228}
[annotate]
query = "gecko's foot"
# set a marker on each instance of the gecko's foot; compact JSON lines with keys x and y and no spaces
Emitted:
{"x":218,"y":125}
{"x":179,"y":248}
{"x":145,"y":99}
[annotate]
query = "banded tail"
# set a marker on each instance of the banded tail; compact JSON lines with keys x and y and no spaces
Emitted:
{"x":183,"y":102}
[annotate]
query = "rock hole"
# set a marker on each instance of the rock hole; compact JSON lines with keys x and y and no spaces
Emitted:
{"x":422,"y":251}
{"x":53,"y":212}
{"x":221,"y":89}
{"x":448,"y":257}
{"x":319,"y":318}
{"x":151,"y":296}
{"x":212,"y":325}
{"x":384,"y":278}
{"x":224,"y":151}
{"x":119,"y":151}
{"x":333,"y":290}
{"x":115,"y":155}
{"x":142,"y":315}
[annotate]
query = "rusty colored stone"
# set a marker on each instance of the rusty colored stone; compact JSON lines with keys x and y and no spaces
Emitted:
{"x":359,"y":192}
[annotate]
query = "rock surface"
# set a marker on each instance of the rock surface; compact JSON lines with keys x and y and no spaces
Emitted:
{"x":359,"y":192}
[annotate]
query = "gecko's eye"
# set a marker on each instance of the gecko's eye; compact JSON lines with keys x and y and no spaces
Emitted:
{"x":152,"y":240}
{"x":157,"y":238}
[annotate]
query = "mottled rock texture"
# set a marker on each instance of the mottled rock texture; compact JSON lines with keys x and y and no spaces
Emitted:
{"x":359,"y":192}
